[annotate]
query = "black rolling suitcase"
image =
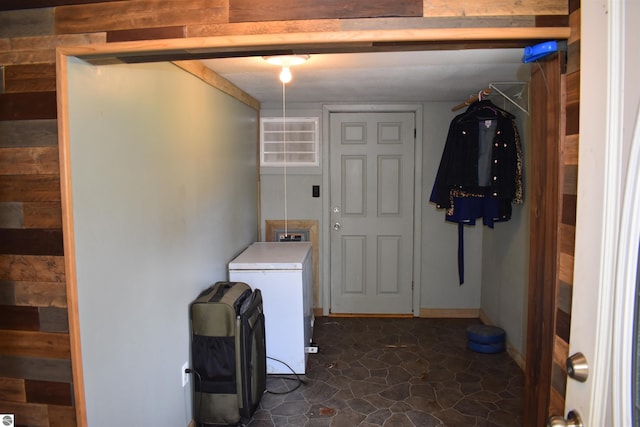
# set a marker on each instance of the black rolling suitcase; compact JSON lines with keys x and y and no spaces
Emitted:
{"x":228,"y":353}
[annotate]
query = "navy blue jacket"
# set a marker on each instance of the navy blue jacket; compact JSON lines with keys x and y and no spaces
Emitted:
{"x":476,"y":163}
{"x":480,"y":172}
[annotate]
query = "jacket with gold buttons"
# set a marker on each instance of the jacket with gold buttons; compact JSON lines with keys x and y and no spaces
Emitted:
{"x":479,"y":162}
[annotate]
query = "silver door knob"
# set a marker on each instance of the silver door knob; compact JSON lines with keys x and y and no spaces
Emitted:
{"x":337,"y":226}
{"x":573,"y":420}
{"x":577,"y":367}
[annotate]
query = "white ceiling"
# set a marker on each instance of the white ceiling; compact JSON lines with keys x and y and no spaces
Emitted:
{"x":434,"y":75}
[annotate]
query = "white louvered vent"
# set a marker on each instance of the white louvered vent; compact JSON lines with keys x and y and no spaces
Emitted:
{"x":293,"y":141}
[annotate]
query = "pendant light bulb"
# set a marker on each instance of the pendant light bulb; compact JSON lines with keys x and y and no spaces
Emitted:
{"x":285,"y":75}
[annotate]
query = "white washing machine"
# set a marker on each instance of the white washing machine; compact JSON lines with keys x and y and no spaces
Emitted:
{"x":283,"y":271}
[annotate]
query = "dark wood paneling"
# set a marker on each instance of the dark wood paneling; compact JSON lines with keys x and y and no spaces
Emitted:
{"x":278,"y":10}
{"x":574,"y":5}
{"x":321,"y":25}
{"x":573,"y":62}
{"x":38,"y":281}
{"x":12,"y":390}
{"x":25,"y":23}
{"x":570,"y":184}
{"x":53,"y":319}
{"x":435,"y":22}
{"x":569,"y":203}
{"x":563,"y":325}
{"x":35,"y":344}
{"x":29,"y":161}
{"x":61,"y":416}
{"x":243,"y":28}
{"x":565,"y":296}
{"x":139,"y":14}
{"x":559,"y":379}
{"x":30,"y":188}
{"x":30,"y":78}
{"x":7,"y":293}
{"x":146,"y":34}
{"x":29,"y":268}
{"x":497,"y":8}
{"x":573,"y":103}
{"x":19,"y":318}
{"x":48,"y":392}
{"x":11,"y":215}
{"x":31,"y":241}
{"x":28,"y":133}
{"x":39,"y":294}
{"x":28,"y":414}
{"x":42,"y":50}
{"x":569,"y":171}
{"x":573,"y":90}
{"x":570,"y":149}
{"x":552,"y":21}
{"x":573,"y":119}
{"x":28,"y":106}
{"x":567,"y":239}
{"x":35,"y":368}
{"x":42,"y":215}
{"x":34,"y":4}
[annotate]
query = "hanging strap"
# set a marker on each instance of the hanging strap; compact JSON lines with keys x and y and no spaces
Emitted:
{"x":461,"y":252}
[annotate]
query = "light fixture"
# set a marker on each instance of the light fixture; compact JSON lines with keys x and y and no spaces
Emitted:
{"x":286,"y":61}
{"x":285,"y":75}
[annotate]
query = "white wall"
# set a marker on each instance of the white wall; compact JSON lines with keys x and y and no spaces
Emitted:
{"x":505,"y":260}
{"x":439,"y":288}
{"x":164,"y":195}
{"x":299,"y":181}
{"x":496,"y":260}
{"x":440,"y":282}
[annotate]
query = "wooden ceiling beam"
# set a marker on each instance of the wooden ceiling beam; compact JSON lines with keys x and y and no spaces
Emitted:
{"x":339,"y":41}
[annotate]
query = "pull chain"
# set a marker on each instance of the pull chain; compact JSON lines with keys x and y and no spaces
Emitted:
{"x":284,"y":151}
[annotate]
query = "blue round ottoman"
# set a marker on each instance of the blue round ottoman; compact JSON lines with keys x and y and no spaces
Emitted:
{"x":485,"y":339}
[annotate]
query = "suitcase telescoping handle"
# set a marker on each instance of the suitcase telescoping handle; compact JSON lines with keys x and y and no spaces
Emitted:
{"x":251,"y":302}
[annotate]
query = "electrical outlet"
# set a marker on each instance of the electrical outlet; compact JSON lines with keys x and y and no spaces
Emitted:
{"x":185,"y":376}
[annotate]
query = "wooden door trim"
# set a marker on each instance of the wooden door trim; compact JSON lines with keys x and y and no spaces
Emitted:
{"x":543,"y":256}
{"x":255,"y":44}
{"x":64,"y":150}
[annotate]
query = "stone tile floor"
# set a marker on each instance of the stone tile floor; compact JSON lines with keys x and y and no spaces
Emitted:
{"x":395,"y":373}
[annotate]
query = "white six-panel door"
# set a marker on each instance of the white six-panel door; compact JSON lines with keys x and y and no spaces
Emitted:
{"x":371,"y":202}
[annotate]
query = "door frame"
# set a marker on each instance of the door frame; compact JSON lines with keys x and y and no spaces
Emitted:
{"x":168,"y":49}
{"x":329,"y":109}
{"x":544,"y":196}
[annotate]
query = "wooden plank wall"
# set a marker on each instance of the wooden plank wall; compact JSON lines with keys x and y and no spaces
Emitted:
{"x":35,"y":361}
{"x":544,"y":201}
{"x":567,"y":226}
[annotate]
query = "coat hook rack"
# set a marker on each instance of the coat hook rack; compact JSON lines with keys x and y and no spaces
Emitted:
{"x":491,"y":88}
